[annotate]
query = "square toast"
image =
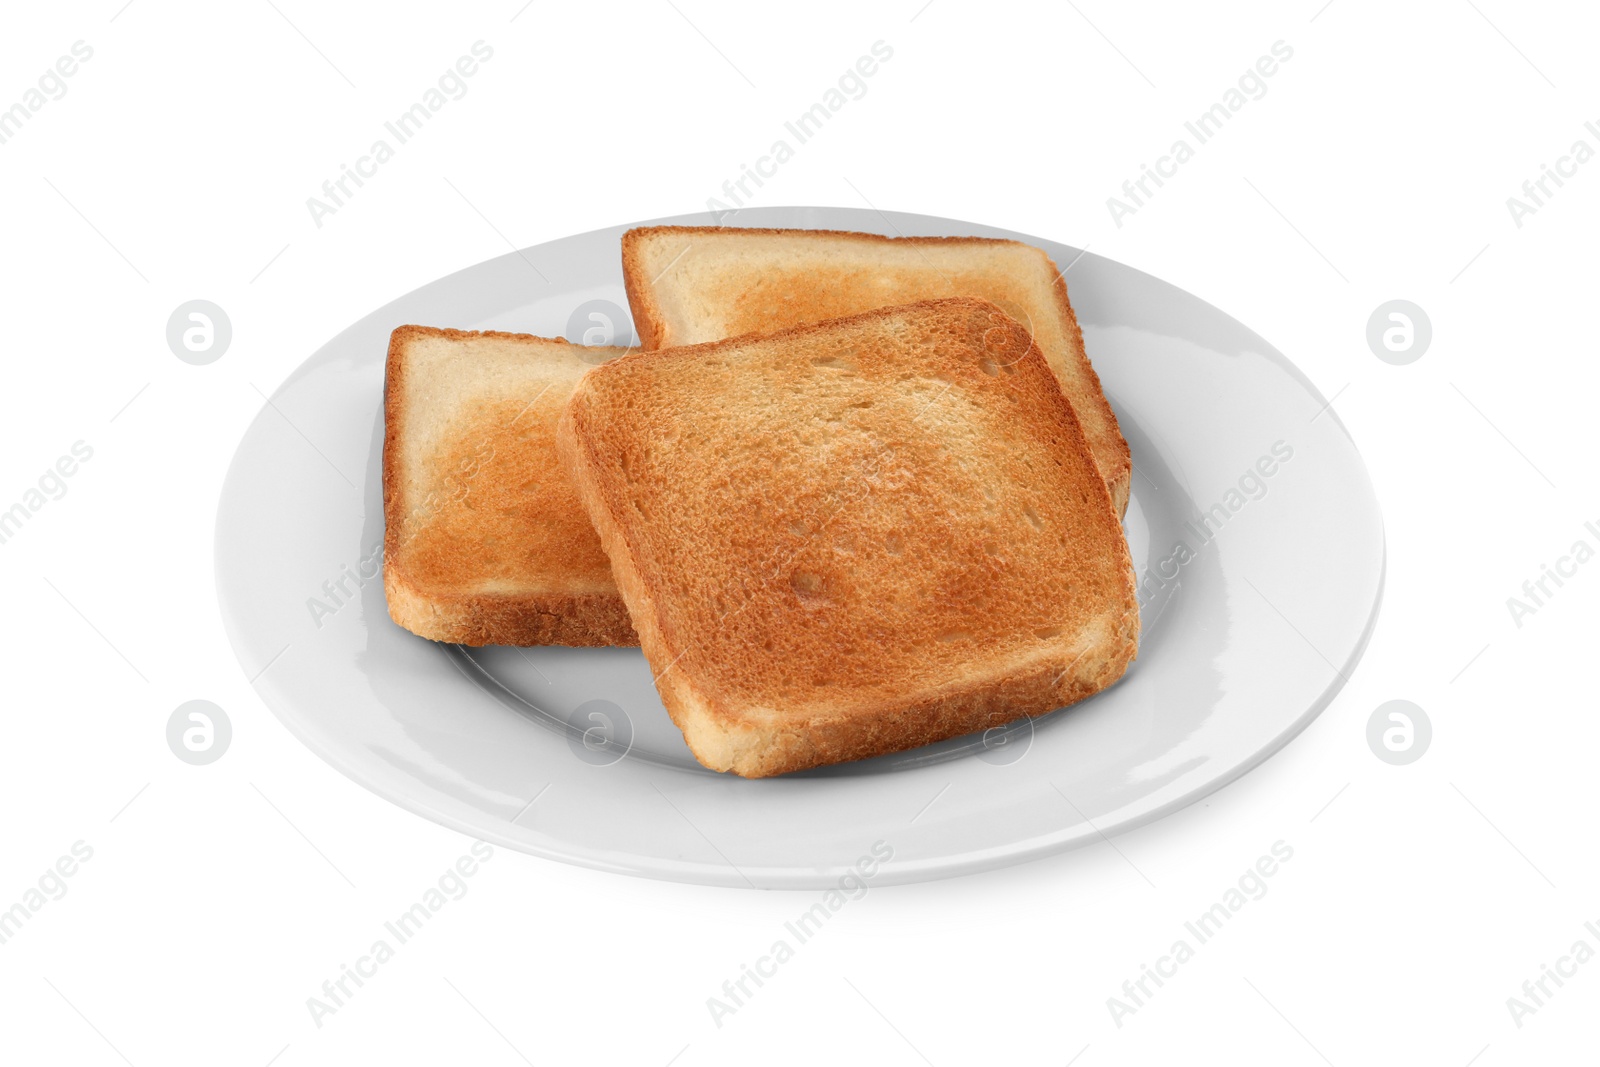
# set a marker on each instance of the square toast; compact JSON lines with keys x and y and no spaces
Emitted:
{"x":854,"y":537}
{"x":690,"y":284}
{"x":485,"y":539}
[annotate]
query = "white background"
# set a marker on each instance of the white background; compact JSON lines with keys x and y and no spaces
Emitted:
{"x":1377,"y":166}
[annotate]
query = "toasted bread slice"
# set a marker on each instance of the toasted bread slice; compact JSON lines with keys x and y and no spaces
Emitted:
{"x":485,"y":540}
{"x":689,"y":284}
{"x":854,"y":537}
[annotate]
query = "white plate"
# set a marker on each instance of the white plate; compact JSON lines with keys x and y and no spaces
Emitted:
{"x":1249,"y":636}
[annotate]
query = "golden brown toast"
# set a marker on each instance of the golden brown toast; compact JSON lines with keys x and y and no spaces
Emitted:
{"x":689,"y":284}
{"x":854,"y":537}
{"x":485,"y":540}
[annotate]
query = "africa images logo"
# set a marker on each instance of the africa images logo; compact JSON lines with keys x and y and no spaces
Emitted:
{"x":1251,"y":485}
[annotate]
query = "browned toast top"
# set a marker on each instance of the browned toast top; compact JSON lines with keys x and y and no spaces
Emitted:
{"x":689,"y":284}
{"x":475,"y":499}
{"x":844,"y":518}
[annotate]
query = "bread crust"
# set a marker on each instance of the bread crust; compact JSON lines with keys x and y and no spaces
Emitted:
{"x":729,"y":735}
{"x":1113,"y":459}
{"x":468,"y":618}
{"x":485,"y":619}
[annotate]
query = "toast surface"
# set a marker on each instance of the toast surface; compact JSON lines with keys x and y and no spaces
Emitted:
{"x":854,"y":537}
{"x":691,"y":284}
{"x":485,"y":540}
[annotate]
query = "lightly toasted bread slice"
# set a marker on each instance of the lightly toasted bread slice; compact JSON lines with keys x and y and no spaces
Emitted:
{"x":854,"y":537}
{"x":485,"y":540}
{"x":689,"y":284}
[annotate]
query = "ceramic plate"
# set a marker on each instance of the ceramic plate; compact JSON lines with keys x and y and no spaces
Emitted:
{"x":1253,"y":526}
